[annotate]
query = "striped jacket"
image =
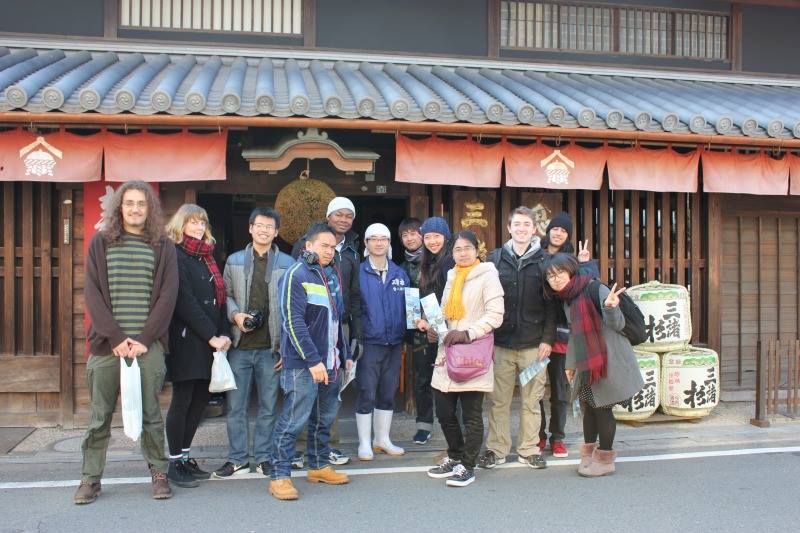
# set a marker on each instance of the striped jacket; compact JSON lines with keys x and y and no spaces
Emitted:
{"x":306,"y":318}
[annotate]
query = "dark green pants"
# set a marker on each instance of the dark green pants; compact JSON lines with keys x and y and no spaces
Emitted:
{"x":102,"y":375}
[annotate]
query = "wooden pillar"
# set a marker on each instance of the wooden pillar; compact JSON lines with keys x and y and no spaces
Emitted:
{"x":651,"y":236}
{"x":65,"y":288}
{"x":714,"y":271}
{"x":46,"y":269}
{"x":25,"y":216}
{"x":635,"y":229}
{"x":418,"y":203}
{"x":602,"y":222}
{"x":9,"y":272}
{"x":696,"y":253}
{"x":666,"y":235}
{"x":619,"y":238}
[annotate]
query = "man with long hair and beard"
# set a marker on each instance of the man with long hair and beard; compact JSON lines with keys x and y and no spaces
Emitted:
{"x":130,"y":292}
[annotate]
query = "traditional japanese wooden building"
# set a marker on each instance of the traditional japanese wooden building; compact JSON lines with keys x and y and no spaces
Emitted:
{"x":670,"y":131}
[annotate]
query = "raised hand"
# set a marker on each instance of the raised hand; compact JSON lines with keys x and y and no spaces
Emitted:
{"x":584,"y":253}
{"x":613,"y":297}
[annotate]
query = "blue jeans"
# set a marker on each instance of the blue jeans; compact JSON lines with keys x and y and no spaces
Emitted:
{"x":304,"y":403}
{"x":247,"y":365}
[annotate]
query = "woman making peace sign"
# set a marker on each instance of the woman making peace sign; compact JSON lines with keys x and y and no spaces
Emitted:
{"x":606,"y":369}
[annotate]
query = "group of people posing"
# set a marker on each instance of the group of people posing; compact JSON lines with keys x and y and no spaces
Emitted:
{"x":293,"y":326}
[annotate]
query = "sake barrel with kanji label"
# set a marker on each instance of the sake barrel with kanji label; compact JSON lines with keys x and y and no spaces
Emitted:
{"x":689,"y":382}
{"x":667,"y":316}
{"x":645,"y":402}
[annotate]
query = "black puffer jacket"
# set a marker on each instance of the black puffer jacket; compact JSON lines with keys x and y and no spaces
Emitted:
{"x":529,"y":318}
{"x":348,"y":263}
{"x":195,"y":320}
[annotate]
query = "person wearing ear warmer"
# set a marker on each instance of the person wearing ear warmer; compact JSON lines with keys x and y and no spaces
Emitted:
{"x":383,"y":286}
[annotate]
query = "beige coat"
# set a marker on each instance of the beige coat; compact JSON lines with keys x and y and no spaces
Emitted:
{"x":483,"y":303}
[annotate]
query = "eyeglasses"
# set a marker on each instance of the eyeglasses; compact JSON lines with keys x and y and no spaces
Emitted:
{"x":264,"y":227}
{"x":555,"y":275}
{"x":131,"y":204}
{"x":464,"y":250}
{"x":378,"y":240}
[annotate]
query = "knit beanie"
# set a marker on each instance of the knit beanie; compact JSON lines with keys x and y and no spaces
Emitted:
{"x":435,"y":225}
{"x":340,"y":202}
{"x":561,"y":220}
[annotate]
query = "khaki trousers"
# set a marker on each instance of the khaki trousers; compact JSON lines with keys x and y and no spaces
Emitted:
{"x":508,"y":364}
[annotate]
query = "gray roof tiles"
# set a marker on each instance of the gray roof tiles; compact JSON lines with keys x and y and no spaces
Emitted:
{"x":116,"y":82}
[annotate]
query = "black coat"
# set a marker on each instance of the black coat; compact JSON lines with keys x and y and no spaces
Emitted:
{"x":529,"y":318}
{"x":196,"y":319}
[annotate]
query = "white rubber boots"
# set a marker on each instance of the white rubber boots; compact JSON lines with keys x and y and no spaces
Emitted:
{"x":364,"y":425}
{"x":382,"y":444}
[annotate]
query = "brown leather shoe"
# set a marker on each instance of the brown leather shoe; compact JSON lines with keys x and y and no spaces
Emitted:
{"x":87,"y":492}
{"x":587,"y":449}
{"x":327,"y":475}
{"x":283,"y":489}
{"x":161,"y":490}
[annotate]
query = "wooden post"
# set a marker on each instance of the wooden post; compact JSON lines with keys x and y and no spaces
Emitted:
{"x":46,"y":269}
{"x":760,"y":419}
{"x":714,"y":270}
{"x":680,"y":260}
{"x":9,"y":271}
{"x":619,"y":238}
{"x":65,"y":287}
{"x":635,"y":228}
{"x":666,"y":236}
{"x":25,"y":216}
{"x":696,"y":293}
{"x":418,"y":203}
{"x":651,"y":236}
{"x":602,"y":222}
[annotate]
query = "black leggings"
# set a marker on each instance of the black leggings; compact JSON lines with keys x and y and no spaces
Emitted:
{"x":189,"y":400}
{"x":599,"y":422}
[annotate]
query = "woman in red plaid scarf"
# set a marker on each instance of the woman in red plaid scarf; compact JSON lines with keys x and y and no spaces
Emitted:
{"x":598,"y":356}
{"x":198,"y":328}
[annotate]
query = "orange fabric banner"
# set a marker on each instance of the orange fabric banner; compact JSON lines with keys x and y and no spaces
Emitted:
{"x":180,"y":156}
{"x":745,"y":173}
{"x":565,"y":167}
{"x":436,"y":161}
{"x":659,"y":170}
{"x":794,"y":172}
{"x":59,"y":157}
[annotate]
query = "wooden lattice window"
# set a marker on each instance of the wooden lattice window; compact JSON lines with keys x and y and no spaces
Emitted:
{"x":239,"y":16}
{"x":613,"y":29}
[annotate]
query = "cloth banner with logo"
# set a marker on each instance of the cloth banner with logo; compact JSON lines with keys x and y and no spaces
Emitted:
{"x":564,"y":167}
{"x":173,"y":157}
{"x":659,"y":170}
{"x":435,"y":161}
{"x":794,"y":172}
{"x":54,"y":157}
{"x":745,"y":173}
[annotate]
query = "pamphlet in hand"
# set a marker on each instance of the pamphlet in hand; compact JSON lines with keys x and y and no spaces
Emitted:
{"x":413,"y":312}
{"x":530,"y":371}
{"x":349,"y":375}
{"x":434,"y":316}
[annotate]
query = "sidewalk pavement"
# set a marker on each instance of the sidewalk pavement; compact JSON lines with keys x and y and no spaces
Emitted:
{"x":728,"y":426}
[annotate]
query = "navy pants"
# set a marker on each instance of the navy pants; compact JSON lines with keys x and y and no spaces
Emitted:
{"x":377,"y":377}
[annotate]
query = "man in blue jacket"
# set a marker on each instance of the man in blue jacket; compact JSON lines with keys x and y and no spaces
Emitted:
{"x":382,"y":284}
{"x":314,"y":349}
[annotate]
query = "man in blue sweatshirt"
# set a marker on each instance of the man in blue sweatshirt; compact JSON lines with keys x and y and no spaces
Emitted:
{"x":314,"y":349}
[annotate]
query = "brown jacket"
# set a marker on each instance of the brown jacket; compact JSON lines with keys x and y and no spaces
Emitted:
{"x":104,"y":333}
{"x":483,"y":303}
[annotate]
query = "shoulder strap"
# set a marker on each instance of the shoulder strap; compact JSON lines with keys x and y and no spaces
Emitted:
{"x":594,"y":293}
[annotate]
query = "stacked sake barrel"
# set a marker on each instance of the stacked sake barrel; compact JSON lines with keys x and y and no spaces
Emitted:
{"x":677,"y":382}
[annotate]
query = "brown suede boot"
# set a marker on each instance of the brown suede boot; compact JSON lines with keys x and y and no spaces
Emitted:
{"x":283,"y":489}
{"x":87,"y":492}
{"x":602,"y":463}
{"x":327,"y":475}
{"x":160,"y":485}
{"x":586,"y":457}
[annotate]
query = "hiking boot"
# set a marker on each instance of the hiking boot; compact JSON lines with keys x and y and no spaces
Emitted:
{"x":422,"y":436}
{"x":87,"y":492}
{"x":327,"y":475}
{"x":602,"y":463}
{"x":336,"y":457}
{"x":445,"y":469}
{"x":542,"y":445}
{"x":180,"y":475}
{"x":490,"y":460}
{"x":462,"y":476}
{"x":587,"y":449}
{"x":534,"y":461}
{"x":298,"y":461}
{"x":160,"y":485}
{"x":558,"y":448}
{"x":263,"y":468}
{"x":230,"y":471}
{"x":195,"y":471}
{"x":283,"y":489}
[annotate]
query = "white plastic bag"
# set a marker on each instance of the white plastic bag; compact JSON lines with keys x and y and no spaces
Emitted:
{"x":130,"y":385}
{"x":221,"y":374}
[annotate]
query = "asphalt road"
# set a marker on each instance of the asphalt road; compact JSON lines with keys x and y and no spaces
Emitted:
{"x":735,"y":493}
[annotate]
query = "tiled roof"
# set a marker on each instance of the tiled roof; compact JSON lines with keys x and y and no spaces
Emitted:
{"x":40,"y":80}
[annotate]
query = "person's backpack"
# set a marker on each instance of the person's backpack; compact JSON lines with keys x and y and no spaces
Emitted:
{"x":634,"y":328}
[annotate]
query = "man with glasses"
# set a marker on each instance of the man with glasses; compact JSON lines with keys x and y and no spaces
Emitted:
{"x":526,"y":335}
{"x":251,"y":281}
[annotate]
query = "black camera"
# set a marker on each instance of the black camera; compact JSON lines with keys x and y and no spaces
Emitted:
{"x":255,"y":320}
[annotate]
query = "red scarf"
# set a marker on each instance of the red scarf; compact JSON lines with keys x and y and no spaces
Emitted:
{"x":586,"y":331}
{"x":203,"y":250}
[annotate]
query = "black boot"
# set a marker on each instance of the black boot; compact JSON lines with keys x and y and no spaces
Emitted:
{"x":179,"y":475}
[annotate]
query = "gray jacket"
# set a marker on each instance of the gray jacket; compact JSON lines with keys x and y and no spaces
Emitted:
{"x":623,"y":379}
{"x":238,"y":276}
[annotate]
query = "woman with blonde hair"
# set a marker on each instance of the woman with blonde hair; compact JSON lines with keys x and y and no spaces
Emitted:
{"x":198,"y":328}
